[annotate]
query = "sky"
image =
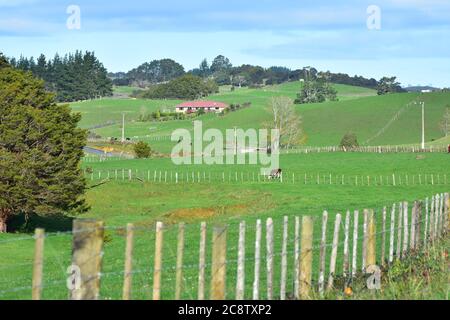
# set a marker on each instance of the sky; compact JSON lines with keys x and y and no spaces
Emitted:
{"x":409,"y":39}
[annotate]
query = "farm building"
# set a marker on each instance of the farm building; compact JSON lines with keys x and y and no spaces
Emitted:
{"x":207,"y":106}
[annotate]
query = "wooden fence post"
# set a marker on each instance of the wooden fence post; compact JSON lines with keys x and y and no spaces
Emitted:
{"x":127,"y":279}
{"x":399,"y":230}
{"x":87,"y":256}
{"x":269,"y":257}
{"x":355,"y":243}
{"x":38,"y":264}
{"x":257,"y":260}
{"x":218,"y":273}
{"x":334,"y":250}
{"x":240,"y":282}
{"x":322,"y":256}
{"x":425,"y":231}
{"x":447,"y":211}
{"x":180,"y":254}
{"x":412,"y":237}
{"x":202,"y":262}
{"x":158,"y":261}
{"x":371,"y":241}
{"x":346,"y":263}
{"x":364,"y":244}
{"x":392,"y":235}
{"x":418,"y":224}
{"x":405,"y":229}
{"x":441,"y":214}
{"x":383,"y":239}
{"x":296,"y":256}
{"x":306,"y":257}
{"x":284,"y":259}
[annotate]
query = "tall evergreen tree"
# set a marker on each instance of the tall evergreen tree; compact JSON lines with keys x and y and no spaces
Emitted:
{"x":40,"y":150}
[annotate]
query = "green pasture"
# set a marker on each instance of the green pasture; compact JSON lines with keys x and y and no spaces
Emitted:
{"x":324,"y":124}
{"x":142,"y":203}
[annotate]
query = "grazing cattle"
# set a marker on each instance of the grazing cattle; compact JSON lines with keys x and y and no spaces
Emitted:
{"x":276,"y":174}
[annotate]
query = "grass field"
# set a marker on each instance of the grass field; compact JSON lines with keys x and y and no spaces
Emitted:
{"x":143,"y":203}
{"x":324,"y":124}
{"x":118,"y":203}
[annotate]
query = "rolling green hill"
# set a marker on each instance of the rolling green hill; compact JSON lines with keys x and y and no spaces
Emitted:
{"x":371,"y":117}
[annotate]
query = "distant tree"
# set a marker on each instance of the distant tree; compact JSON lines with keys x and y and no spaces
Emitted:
{"x":220,"y":64}
{"x":156,"y":71}
{"x":204,"y":70}
{"x":349,"y":141}
{"x":316,"y":91}
{"x":388,"y":85}
{"x":41,"y":148}
{"x":287,"y":121}
{"x":76,"y":76}
{"x":142,"y":150}
{"x":185,"y":87}
{"x":445,"y":123}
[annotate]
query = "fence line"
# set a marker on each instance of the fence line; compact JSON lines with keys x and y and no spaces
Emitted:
{"x":228,"y":264}
{"x":190,"y":177}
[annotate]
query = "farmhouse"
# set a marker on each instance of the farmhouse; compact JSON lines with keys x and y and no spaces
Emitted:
{"x":207,"y":106}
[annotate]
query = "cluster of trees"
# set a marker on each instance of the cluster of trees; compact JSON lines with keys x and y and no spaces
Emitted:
{"x":150,"y":73}
{"x":388,"y":85}
{"x":317,"y":90}
{"x":77,"y":76}
{"x":222,"y":71}
{"x":159,"y":115}
{"x":187,"y":87}
{"x":41,"y":148}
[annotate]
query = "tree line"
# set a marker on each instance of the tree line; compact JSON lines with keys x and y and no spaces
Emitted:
{"x":222,"y":71}
{"x":73,"y":77}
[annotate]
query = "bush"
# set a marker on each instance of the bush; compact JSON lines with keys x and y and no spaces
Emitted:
{"x":142,"y":150}
{"x":349,"y":141}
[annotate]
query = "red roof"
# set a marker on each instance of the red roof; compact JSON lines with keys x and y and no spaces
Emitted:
{"x":202,"y":104}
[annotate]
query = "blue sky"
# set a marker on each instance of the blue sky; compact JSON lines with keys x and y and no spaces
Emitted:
{"x":413,"y":42}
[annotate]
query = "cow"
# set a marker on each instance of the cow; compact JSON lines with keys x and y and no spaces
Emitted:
{"x":275,"y":174}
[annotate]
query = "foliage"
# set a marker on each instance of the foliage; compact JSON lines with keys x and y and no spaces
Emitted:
{"x":40,"y":150}
{"x":349,"y":140}
{"x":74,"y":77}
{"x":142,"y":150}
{"x":388,"y":85}
{"x":445,"y":122}
{"x":316,"y":91}
{"x":287,"y":121}
{"x":185,"y":87}
{"x":156,"y":71}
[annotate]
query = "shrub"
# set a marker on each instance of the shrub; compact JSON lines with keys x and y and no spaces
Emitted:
{"x":142,"y":150}
{"x":349,"y":141}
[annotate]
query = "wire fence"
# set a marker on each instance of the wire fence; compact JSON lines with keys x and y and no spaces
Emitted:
{"x":282,"y":258}
{"x":287,"y":177}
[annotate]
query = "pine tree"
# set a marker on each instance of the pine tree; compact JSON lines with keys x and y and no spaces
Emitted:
{"x":40,"y":150}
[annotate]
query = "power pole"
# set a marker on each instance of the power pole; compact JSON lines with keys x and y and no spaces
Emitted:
{"x":423,"y":125}
{"x":123,"y":127}
{"x":235,"y":142}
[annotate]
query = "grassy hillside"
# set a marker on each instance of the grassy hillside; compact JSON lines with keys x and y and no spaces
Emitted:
{"x":358,"y":110}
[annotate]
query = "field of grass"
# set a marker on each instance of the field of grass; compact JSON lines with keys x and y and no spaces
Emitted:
{"x":324,"y":123}
{"x":143,"y":203}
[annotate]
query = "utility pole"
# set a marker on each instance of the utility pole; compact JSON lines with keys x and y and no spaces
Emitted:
{"x":423,"y":125}
{"x":235,"y":142}
{"x":123,"y":127}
